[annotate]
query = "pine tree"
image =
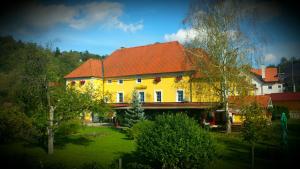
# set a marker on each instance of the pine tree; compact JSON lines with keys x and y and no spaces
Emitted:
{"x":136,"y":113}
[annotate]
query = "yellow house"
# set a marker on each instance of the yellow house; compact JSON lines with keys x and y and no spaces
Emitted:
{"x":161,"y":73}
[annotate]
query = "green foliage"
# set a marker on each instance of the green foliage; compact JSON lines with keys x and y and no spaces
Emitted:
{"x":14,"y":124}
{"x":136,"y":113}
{"x":68,"y":127}
{"x":277,"y":110}
{"x":255,"y":123}
{"x":135,"y":131}
{"x":175,"y":141}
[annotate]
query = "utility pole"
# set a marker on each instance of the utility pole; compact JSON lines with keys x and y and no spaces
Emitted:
{"x":294,"y":87}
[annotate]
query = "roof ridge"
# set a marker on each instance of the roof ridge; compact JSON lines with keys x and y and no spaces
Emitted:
{"x":156,"y":43}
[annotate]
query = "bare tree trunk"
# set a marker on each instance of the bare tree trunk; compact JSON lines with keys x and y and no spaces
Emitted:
{"x":228,"y":121}
{"x":50,"y":131}
{"x":252,"y":153}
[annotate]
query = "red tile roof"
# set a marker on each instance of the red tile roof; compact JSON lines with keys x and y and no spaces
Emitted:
{"x":271,"y":74}
{"x":90,"y":68}
{"x":262,"y":100}
{"x":150,"y":59}
{"x":285,"y":96}
{"x":156,"y":58}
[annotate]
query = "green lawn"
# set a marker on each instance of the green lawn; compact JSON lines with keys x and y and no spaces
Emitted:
{"x":93,"y":144}
{"x":104,"y":145}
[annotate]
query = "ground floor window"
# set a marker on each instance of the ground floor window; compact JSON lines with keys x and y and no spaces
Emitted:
{"x":142,"y":96}
{"x":157,"y":96}
{"x":120,"y":97}
{"x":179,"y":96}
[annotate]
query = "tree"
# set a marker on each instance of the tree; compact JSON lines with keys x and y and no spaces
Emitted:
{"x":175,"y":141}
{"x":254,"y":126}
{"x":136,"y":113}
{"x":220,"y":49}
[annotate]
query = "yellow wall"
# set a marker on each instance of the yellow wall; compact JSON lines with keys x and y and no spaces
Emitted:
{"x":168,"y":85}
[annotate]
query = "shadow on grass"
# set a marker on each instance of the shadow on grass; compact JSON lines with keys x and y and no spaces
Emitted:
{"x":62,"y":141}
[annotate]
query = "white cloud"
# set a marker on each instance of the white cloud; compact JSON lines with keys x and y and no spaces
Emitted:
{"x":270,"y":59}
{"x":79,"y":16}
{"x":182,"y":35}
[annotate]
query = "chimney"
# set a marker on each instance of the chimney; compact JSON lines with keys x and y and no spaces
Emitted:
{"x":263,"y":71}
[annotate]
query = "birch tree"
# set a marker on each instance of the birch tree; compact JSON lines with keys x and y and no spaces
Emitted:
{"x":220,"y":48}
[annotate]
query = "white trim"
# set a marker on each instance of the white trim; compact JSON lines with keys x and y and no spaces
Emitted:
{"x":119,"y":81}
{"x":144,"y":95}
{"x":177,"y":95}
{"x":119,"y":98}
{"x":137,"y":80}
{"x":155,"y":96}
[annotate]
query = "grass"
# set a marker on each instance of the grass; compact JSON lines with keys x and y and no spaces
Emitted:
{"x":104,"y":145}
{"x":234,"y":153}
{"x":92,"y":144}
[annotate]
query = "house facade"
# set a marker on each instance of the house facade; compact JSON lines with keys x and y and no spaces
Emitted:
{"x":266,"y":81}
{"x":161,"y":73}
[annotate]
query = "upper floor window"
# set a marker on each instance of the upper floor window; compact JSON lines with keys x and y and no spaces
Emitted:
{"x":120,"y":98}
{"x":142,"y":96}
{"x":270,"y":87}
{"x":180,"y":96}
{"x":139,"y":80}
{"x":120,"y":81}
{"x":108,"y":81}
{"x":157,"y":96}
{"x":279,"y":86}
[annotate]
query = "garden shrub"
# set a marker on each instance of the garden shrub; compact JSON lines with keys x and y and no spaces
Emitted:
{"x":14,"y":125}
{"x":277,"y":110}
{"x":68,"y":127}
{"x":175,"y":141}
{"x":137,"y":128}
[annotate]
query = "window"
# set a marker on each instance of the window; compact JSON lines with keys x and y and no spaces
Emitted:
{"x":142,"y":96}
{"x":120,"y":97}
{"x":105,"y":99}
{"x":120,"y":81}
{"x":179,"y":96}
{"x":108,"y":81}
{"x":157,"y":96}
{"x":270,"y":87}
{"x":279,"y":86}
{"x":139,"y":80}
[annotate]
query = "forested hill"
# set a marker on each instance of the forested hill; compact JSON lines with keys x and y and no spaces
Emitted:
{"x":22,"y":65}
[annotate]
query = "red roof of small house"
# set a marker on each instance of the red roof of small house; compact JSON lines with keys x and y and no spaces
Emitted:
{"x":90,"y":68}
{"x":262,"y":100}
{"x":150,"y":59}
{"x":285,"y":96}
{"x":271,"y":74}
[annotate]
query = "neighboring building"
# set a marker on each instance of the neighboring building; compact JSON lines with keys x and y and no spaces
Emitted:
{"x":266,"y":81}
{"x":161,"y":73}
{"x":236,"y":103}
{"x":289,"y":100}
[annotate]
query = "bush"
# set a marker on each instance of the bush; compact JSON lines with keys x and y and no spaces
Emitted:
{"x":137,"y":128}
{"x":277,"y":110}
{"x":68,"y":127}
{"x":14,"y":125}
{"x":175,"y":141}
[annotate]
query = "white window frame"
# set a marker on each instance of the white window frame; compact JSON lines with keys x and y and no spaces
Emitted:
{"x":137,"y":80}
{"x":119,"y":82}
{"x":144,"y":95}
{"x":155,"y":96}
{"x":182,"y":95}
{"x":118,"y":99}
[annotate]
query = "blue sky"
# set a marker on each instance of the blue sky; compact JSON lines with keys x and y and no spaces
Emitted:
{"x":104,"y":26}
